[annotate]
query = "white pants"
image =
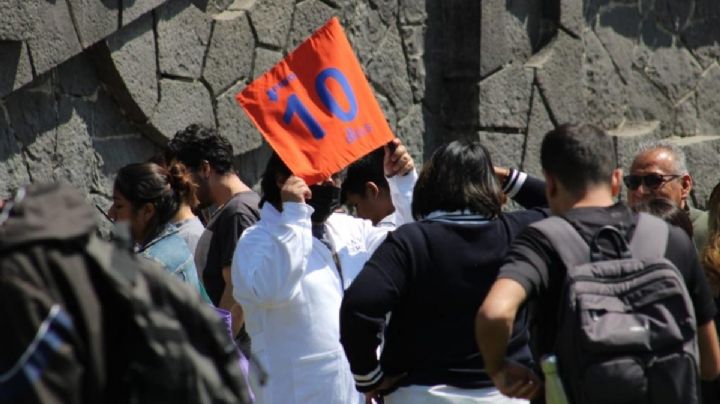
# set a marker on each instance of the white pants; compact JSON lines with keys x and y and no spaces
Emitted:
{"x":443,"y":394}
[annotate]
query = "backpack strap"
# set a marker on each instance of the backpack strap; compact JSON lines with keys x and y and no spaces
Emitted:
{"x":650,"y":238}
{"x":565,"y":239}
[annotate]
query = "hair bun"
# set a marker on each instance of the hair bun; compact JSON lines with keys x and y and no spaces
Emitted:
{"x":183,"y":184}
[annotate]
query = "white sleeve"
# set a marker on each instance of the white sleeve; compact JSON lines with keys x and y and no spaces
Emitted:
{"x":269,"y":263}
{"x":401,"y":193}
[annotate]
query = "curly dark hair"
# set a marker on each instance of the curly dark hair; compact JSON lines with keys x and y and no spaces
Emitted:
{"x":196,"y":143}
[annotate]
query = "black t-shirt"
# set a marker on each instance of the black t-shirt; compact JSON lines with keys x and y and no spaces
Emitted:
{"x":217,"y":244}
{"x":534,"y":264}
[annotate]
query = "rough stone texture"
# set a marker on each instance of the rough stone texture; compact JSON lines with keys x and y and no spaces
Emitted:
{"x":604,"y":90}
{"x":230,"y":54}
{"x":57,"y":41}
{"x":505,"y":98}
{"x":388,"y":73}
{"x":505,"y":148}
{"x":504,"y":71}
{"x":127,"y":64}
{"x":560,"y":78}
{"x":17,"y":20}
{"x":538,"y":125}
{"x":271,"y":19}
{"x":15,"y":70}
{"x":234,"y":123}
{"x":309,"y":16}
{"x":94,"y":19}
{"x":265,"y":59}
{"x":183,"y":33}
{"x":181,"y":104}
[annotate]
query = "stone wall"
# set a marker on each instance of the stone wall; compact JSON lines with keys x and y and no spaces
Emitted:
{"x":87,"y":86}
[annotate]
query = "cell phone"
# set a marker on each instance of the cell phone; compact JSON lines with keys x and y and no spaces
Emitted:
{"x":105,"y":215}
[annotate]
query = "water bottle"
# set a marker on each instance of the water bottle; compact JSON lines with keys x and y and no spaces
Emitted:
{"x":554,"y":391}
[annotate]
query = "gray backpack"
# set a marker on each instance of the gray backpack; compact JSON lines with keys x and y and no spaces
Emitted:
{"x":627,"y":329}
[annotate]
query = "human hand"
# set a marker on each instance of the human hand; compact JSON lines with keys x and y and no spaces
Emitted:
{"x":295,"y":190}
{"x":501,"y":173}
{"x":516,"y":380}
{"x":375,"y":396}
{"x":397,"y":160}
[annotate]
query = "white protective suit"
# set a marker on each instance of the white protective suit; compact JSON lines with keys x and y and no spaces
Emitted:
{"x":290,"y":290}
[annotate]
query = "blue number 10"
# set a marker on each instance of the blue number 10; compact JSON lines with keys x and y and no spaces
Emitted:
{"x":296,"y":107}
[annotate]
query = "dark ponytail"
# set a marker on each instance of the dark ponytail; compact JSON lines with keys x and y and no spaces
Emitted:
{"x":182,"y":182}
{"x":142,"y":183}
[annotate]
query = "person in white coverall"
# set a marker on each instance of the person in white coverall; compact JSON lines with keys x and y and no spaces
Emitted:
{"x":289,"y":273}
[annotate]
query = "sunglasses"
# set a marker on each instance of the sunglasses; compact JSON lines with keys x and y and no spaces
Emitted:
{"x":651,"y":181}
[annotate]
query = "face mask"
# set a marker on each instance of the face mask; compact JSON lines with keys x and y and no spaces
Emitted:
{"x":325,"y":199}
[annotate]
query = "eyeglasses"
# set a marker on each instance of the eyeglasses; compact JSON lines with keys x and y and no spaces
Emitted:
{"x":651,"y":181}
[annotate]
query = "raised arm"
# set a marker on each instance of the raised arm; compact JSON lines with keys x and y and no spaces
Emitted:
{"x":270,"y":260}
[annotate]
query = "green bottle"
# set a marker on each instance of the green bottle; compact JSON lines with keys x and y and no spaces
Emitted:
{"x":554,"y":391}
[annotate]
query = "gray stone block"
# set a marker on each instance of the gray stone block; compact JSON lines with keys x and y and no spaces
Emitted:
{"x":673,"y":15}
{"x":629,"y":136}
{"x":94,"y":19}
{"x":309,"y":16}
{"x":388,"y":72}
{"x":33,"y":111}
{"x":183,"y":34}
{"x":229,"y":57}
{"x":538,"y":126}
{"x":365,"y":31}
{"x":646,"y":103}
{"x":265,"y":59}
{"x":571,"y":16}
{"x":685,"y":117}
{"x":504,"y":98}
{"x":505,"y":148}
{"x":388,"y":110}
{"x":410,"y":130}
{"x":76,"y":160}
{"x":412,"y":11}
{"x":107,"y":119}
{"x":116,"y":152}
{"x":54,"y":40}
{"x":413,"y":42}
{"x":181,"y":104}
{"x":77,"y":76}
{"x":703,"y":157}
{"x":617,"y":29}
{"x":509,"y":31}
{"x":604,"y":91}
{"x":701,"y":40}
{"x":234,"y":123}
{"x":134,"y":9}
{"x":17,"y":19}
{"x":213,"y":6}
{"x":126,"y":63}
{"x":15,"y":69}
{"x":708,"y":104}
{"x":459,"y":106}
{"x":674,"y":71}
{"x":560,"y":79}
{"x":13,"y":172}
{"x":271,"y":20}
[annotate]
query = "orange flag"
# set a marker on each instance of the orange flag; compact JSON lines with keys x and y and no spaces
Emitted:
{"x":316,"y":108}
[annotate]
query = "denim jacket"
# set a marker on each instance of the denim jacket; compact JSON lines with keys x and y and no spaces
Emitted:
{"x":170,"y":251}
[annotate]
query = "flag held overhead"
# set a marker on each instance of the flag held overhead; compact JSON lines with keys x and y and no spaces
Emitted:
{"x":315,"y":108}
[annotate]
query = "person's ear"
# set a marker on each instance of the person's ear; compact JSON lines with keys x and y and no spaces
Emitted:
{"x":616,"y":182}
{"x":372,"y":191}
{"x":146,"y":212}
{"x":686,"y":182}
{"x":551,"y":188}
{"x":205,"y":169}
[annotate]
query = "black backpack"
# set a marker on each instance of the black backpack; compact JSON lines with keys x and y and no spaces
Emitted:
{"x":627,"y":328}
{"x":86,"y":321}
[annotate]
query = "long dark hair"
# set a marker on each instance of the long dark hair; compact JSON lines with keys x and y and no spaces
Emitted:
{"x":142,"y":183}
{"x":459,"y":176}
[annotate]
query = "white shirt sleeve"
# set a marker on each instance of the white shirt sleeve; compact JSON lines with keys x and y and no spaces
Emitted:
{"x":401,"y":193}
{"x":269,"y":261}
